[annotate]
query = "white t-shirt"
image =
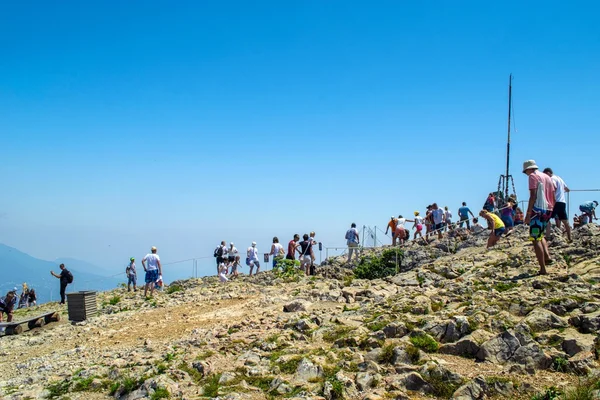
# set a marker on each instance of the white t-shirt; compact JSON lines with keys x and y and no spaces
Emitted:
{"x":560,"y":189}
{"x":252,"y":253}
{"x":401,"y":222}
{"x":448,"y":215}
{"x":276,"y":247}
{"x":419,"y":220}
{"x":152,"y":261}
{"x":233,"y":251}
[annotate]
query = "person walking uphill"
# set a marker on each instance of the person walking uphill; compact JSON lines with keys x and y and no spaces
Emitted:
{"x":65,"y":277}
{"x":539,"y":211}
{"x":153,"y":270}
{"x":559,"y":213}
{"x":352,"y":240}
{"x":252,"y":258}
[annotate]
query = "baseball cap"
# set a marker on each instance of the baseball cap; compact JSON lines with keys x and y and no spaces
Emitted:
{"x":153,"y":248}
{"x":132,"y":259}
{"x":231,"y":243}
{"x":253,"y":243}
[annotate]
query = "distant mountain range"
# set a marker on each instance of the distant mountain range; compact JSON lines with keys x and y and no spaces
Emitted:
{"x":17,"y":267}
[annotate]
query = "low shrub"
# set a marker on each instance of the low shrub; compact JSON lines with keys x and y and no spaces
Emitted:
{"x":379,"y":267}
{"x":424,"y":342}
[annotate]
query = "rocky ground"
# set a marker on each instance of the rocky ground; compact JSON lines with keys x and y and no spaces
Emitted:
{"x":457,"y":321}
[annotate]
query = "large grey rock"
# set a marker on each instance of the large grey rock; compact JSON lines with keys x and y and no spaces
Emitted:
{"x":465,"y":347}
{"x":414,"y":381}
{"x":395,"y":330}
{"x":582,"y":363}
{"x":297,"y":305}
{"x":540,"y":320}
{"x":586,"y":323}
{"x":366,"y":380}
{"x":307,"y":371}
{"x":499,"y":349}
{"x":574,"y":345}
{"x":474,"y":390}
{"x":532,"y":357}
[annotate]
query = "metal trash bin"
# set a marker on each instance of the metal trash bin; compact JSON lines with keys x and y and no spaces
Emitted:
{"x":81,"y":305}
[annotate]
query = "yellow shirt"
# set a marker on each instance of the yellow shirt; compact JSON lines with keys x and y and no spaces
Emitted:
{"x":497,"y":221}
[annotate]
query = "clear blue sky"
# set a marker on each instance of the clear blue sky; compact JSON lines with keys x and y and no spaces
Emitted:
{"x":130,"y":124}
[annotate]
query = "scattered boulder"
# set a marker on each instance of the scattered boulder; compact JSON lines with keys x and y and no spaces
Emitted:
{"x":540,"y":320}
{"x":297,"y":305}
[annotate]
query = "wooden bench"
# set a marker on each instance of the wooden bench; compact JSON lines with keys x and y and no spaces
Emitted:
{"x":16,"y":327}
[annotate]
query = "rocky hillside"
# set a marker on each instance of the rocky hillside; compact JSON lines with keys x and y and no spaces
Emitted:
{"x":457,"y":321}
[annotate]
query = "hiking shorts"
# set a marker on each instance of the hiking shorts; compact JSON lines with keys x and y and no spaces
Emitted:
{"x":132,"y":279}
{"x":498,"y":232}
{"x":538,"y":223}
{"x":151,"y":275}
{"x":438,"y":227}
{"x":419,"y":227}
{"x":560,"y":211}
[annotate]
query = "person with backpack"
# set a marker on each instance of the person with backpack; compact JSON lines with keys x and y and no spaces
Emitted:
{"x":589,"y":210}
{"x":219,"y":254}
{"x":131,"y":275}
{"x":7,"y":305}
{"x":306,"y":254}
{"x":66,"y":277}
{"x":352,"y":240}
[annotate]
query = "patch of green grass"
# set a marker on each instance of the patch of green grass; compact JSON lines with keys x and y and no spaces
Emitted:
{"x":82,"y":384}
{"x":272,"y":338}
{"x":505,"y":286}
{"x":437,"y":306}
{"x":387,"y":354}
{"x":58,"y":389}
{"x":492,"y":380}
{"x":442,"y":387}
{"x":116,"y":299}
{"x":211,"y":386}
{"x":160,"y":393}
{"x":290,"y":365}
{"x":192,"y":372}
{"x":584,"y":390}
{"x":161,"y":368}
{"x":348,"y":280}
{"x":377,"y":325}
{"x":205,"y":355}
{"x":424,"y":342}
{"x":169,"y":357}
{"x":413,"y":353}
{"x":336,"y":333}
{"x":551,"y":393}
{"x":174,"y":289}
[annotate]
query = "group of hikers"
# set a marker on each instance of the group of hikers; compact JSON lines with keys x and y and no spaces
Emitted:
{"x":228,"y":258}
{"x":152,"y":273}
{"x":547,"y":201}
{"x":8,"y":303}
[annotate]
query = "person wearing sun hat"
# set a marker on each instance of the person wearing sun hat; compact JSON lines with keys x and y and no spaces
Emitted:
{"x":539,"y":211}
{"x":131,"y":275}
{"x":418,"y":225}
{"x":153,"y":270}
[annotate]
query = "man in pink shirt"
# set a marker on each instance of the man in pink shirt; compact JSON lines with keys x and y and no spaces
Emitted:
{"x":539,"y":211}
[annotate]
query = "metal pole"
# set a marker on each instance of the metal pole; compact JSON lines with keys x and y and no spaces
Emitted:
{"x":508,"y":142}
{"x":568,"y":206}
{"x":375,"y":237}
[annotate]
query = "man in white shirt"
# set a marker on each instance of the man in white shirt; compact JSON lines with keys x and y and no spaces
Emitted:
{"x":153,"y":268}
{"x":438,"y":219}
{"x":252,"y":258}
{"x":559,"y":212}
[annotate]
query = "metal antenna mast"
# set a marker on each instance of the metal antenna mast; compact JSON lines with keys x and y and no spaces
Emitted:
{"x":508,"y":142}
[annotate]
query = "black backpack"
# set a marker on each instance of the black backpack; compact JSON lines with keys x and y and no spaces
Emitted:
{"x":69,"y":276}
{"x":219,"y":251}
